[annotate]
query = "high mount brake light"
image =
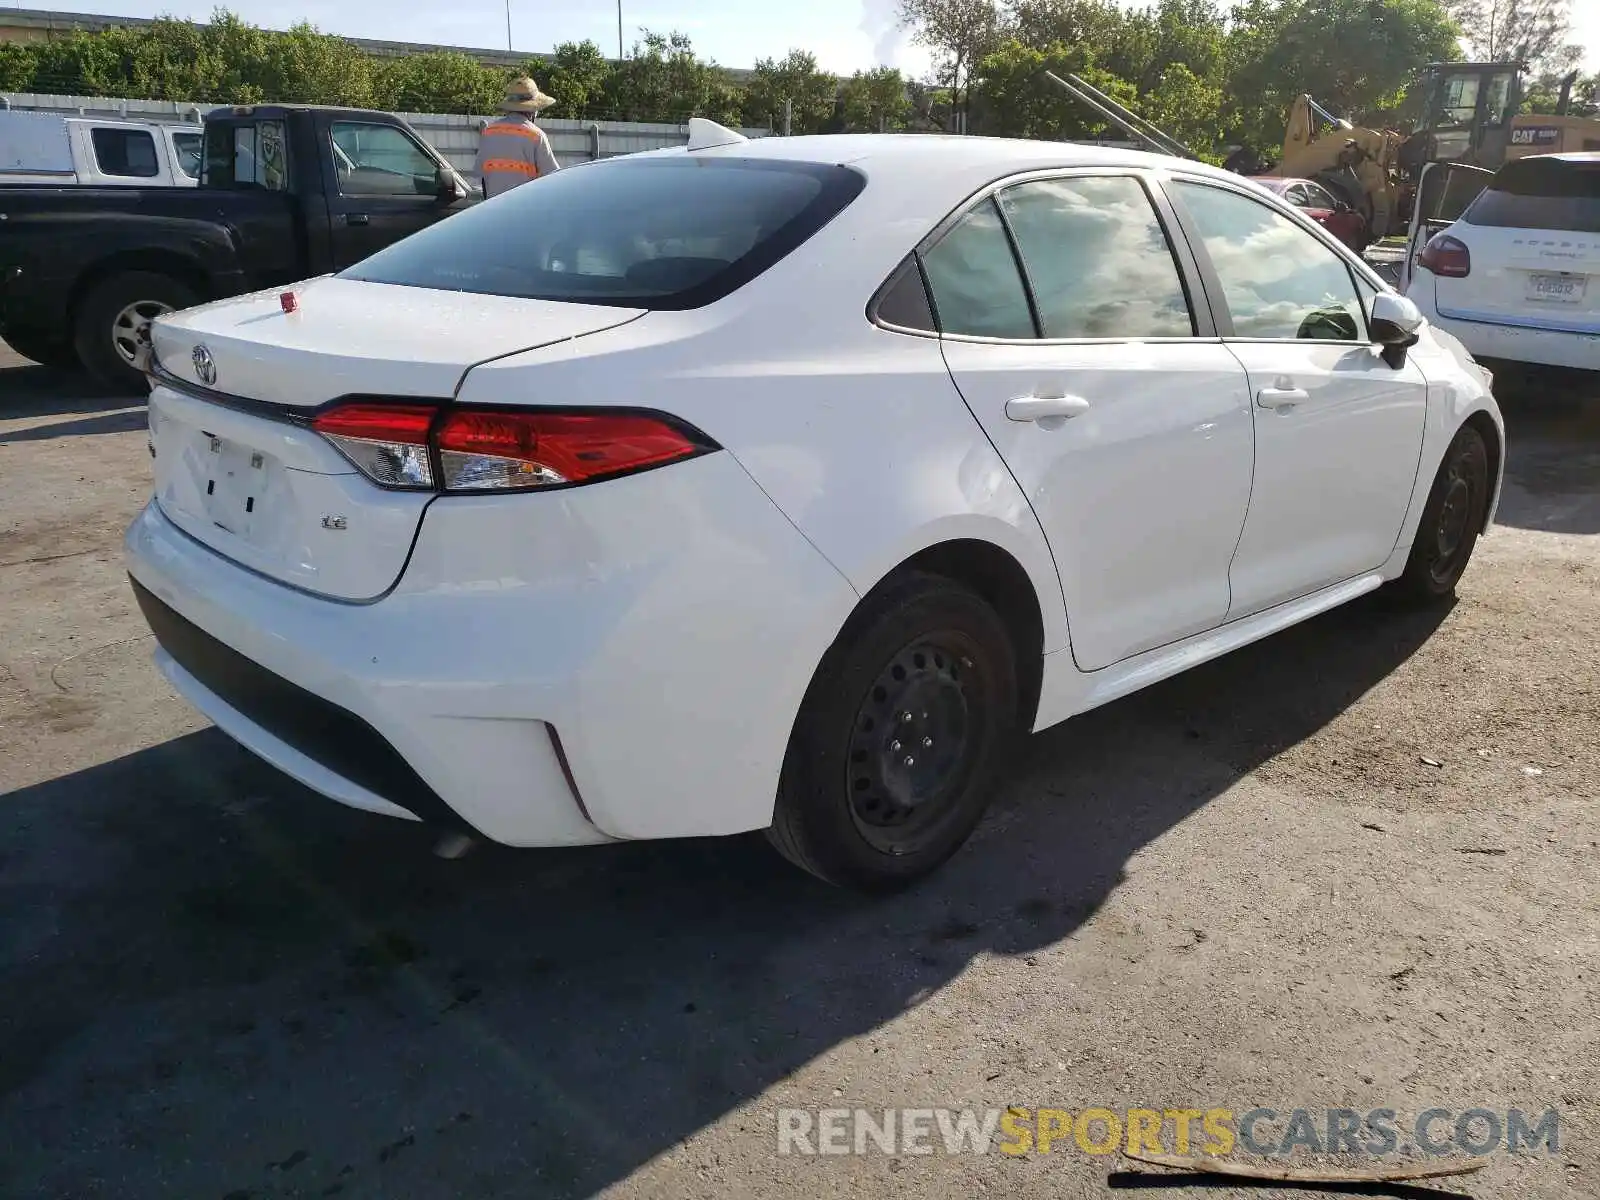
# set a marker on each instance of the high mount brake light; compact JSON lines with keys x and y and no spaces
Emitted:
{"x":426,"y":448}
{"x":1447,"y":256}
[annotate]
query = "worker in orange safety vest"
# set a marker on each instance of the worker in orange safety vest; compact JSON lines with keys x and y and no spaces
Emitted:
{"x":512,"y":149}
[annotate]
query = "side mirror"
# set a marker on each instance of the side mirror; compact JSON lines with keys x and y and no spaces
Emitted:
{"x":448,"y":188}
{"x":1395,"y":321}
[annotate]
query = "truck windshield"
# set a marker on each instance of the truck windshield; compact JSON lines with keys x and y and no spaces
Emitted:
{"x":1542,"y":193}
{"x":672,"y":232}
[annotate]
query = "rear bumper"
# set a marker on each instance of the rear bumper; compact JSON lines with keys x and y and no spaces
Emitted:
{"x":622,"y":661}
{"x":1515,"y":343}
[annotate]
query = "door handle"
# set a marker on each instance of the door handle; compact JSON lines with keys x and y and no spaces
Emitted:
{"x":1049,"y":412}
{"x":357,"y":219}
{"x":1281,"y":398}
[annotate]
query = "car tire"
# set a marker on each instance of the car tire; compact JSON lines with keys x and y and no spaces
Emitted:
{"x":40,"y":347}
{"x":1451,"y":522}
{"x":107,"y":321}
{"x":924,"y":671}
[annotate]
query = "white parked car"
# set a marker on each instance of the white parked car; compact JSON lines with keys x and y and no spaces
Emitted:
{"x":1517,"y":275}
{"x":45,"y":148}
{"x":781,"y":484}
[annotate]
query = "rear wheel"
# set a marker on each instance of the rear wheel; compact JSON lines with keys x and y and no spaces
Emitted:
{"x":114,"y":315}
{"x":1450,"y":524}
{"x":902,"y":734}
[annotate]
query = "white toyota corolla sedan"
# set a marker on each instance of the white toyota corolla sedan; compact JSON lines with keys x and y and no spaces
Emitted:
{"x":782,"y":484}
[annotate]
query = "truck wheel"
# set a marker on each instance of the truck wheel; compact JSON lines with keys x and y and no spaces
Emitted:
{"x":43,"y":348}
{"x":906,"y":725}
{"x":111,"y":317}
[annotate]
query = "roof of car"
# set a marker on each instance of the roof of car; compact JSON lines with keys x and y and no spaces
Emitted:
{"x":960,"y":151}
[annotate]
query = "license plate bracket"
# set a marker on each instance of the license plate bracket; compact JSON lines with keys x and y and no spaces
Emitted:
{"x":235,"y":486}
{"x":1556,"y":287}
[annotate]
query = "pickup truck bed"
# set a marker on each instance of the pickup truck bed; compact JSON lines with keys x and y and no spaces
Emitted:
{"x":288,"y":193}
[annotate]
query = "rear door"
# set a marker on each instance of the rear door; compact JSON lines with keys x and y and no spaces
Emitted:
{"x":384,"y":187}
{"x":1533,"y":237}
{"x":1125,"y":423}
{"x":1338,"y":432}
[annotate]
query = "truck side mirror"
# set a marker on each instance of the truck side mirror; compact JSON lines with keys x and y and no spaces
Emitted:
{"x":448,"y":187}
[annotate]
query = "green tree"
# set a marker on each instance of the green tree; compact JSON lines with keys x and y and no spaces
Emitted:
{"x":1012,"y":97}
{"x":664,"y":80}
{"x":1537,"y":32}
{"x":959,"y":33}
{"x":18,"y":65}
{"x":794,"y":81}
{"x":440,"y":81}
{"x":306,"y":66}
{"x":577,"y":78}
{"x":1353,"y":56}
{"x":875,"y":101}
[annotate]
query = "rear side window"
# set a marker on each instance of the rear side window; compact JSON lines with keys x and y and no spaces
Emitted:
{"x":1541,"y":193}
{"x":977,"y":288}
{"x":660,"y":233}
{"x":246,"y":156}
{"x":1097,"y":258}
{"x":188,"y":148}
{"x":130,"y":153}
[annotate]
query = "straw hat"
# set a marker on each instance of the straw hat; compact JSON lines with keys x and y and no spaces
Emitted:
{"x":523,"y":96}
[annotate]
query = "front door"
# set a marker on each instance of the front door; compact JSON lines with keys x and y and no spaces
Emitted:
{"x":1338,"y":430}
{"x":388,"y":189}
{"x":1130,"y":435}
{"x":1443,"y":192}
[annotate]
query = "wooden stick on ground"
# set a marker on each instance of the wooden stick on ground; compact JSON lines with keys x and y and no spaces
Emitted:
{"x":1213,"y":1166}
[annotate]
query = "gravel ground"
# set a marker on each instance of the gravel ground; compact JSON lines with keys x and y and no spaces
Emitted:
{"x":1353,"y":865}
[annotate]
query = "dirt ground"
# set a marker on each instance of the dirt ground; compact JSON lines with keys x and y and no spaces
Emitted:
{"x":1354,"y":865}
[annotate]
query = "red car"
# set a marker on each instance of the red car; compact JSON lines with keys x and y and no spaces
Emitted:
{"x":1323,"y":207}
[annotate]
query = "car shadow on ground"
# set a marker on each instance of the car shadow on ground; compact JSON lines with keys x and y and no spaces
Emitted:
{"x":27,"y":390}
{"x":201,"y":961}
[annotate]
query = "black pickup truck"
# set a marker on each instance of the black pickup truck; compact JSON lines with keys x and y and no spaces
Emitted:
{"x":287,"y":192}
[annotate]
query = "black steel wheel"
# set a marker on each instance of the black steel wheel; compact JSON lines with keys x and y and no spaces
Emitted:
{"x":1451,"y":522}
{"x":902,"y":734}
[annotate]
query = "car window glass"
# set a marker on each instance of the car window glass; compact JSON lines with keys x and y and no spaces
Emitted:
{"x":1279,"y":281}
{"x":1295,"y":195}
{"x":246,"y":156}
{"x":188,"y":148}
{"x":380,"y":160}
{"x":633,"y":231}
{"x":905,"y":302}
{"x":1317,"y":198}
{"x":1540,"y":193}
{"x":977,"y":289}
{"x":126,"y":152}
{"x":1097,"y":258}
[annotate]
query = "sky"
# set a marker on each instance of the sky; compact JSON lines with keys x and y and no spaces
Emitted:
{"x":845,"y":35}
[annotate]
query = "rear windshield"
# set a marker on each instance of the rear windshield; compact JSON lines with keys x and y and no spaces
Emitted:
{"x":673,"y":232}
{"x":1541,"y":193}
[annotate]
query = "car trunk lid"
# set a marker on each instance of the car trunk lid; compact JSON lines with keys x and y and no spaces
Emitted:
{"x":238,"y":465}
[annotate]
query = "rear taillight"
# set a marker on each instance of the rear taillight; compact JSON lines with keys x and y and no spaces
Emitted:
{"x":426,"y":448}
{"x":1447,"y":256}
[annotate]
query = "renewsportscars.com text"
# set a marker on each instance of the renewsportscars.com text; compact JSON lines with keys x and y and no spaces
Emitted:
{"x":1212,"y":1131}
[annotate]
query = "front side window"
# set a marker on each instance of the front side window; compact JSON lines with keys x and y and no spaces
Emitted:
{"x":1097,"y":258}
{"x":675,"y":232}
{"x":246,"y":156}
{"x":1317,"y":198}
{"x":977,"y":289}
{"x":381,"y":160}
{"x":129,"y":153}
{"x":1279,"y":281}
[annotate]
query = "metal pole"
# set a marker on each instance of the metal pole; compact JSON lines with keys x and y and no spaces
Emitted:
{"x":788,"y":117}
{"x":508,"y":24}
{"x":619,"y":31}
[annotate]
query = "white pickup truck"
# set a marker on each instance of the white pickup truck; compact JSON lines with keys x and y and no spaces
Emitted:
{"x":46,"y":148}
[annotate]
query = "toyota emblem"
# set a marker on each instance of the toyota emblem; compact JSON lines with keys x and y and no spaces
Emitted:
{"x":205,"y":367}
